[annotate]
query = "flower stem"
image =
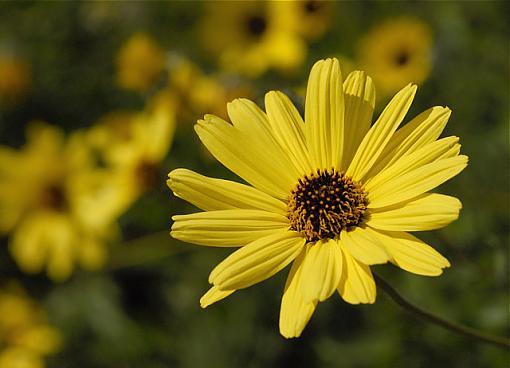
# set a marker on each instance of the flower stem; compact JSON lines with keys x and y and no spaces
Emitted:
{"x":449,"y":325}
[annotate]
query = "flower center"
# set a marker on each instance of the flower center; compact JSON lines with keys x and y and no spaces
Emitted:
{"x":256,"y":25}
{"x":54,"y":197}
{"x":324,"y":203}
{"x":147,"y":174}
{"x":311,"y":6}
{"x":401,"y":58}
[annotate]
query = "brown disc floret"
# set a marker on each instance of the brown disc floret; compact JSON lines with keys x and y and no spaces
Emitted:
{"x":325,"y":203}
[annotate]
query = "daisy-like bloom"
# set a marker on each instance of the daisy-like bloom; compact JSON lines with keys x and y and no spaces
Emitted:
{"x":46,"y":191}
{"x":133,"y":144}
{"x":250,"y":37}
{"x":140,"y":62}
{"x":330,"y":194}
{"x":397,"y":52}
{"x":311,"y":18}
{"x":25,"y":335}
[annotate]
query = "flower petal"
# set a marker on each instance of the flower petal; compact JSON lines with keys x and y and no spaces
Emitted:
{"x":422,"y":130}
{"x":415,"y":182}
{"x":359,"y":96}
{"x":28,"y":246}
{"x":227,"y":228}
{"x":380,"y":133}
{"x":257,"y":261}
{"x":443,"y":148}
{"x":249,"y":118}
{"x":427,"y":212}
{"x":159,"y":126}
{"x":257,"y":161}
{"x":214,"y":295}
{"x":211,"y":194}
{"x":357,"y":284}
{"x":411,"y":254}
{"x":295,"y":312}
{"x":324,"y":114}
{"x":288,"y":128}
{"x":48,"y":238}
{"x":363,"y":246}
{"x":322,"y":269}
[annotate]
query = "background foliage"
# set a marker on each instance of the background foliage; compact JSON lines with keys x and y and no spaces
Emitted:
{"x":142,"y":310}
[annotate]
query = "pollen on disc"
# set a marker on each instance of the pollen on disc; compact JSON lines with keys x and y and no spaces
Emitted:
{"x":324,"y":203}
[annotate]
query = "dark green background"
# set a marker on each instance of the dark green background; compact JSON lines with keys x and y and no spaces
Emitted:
{"x":148,"y":315}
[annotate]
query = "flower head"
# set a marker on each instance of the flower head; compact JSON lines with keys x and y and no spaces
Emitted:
{"x":140,"y":62}
{"x":330,"y":194}
{"x":133,"y":144}
{"x":397,"y":52}
{"x":252,"y":36}
{"x":25,"y":336}
{"x":46,"y":192}
{"x":310,"y":18}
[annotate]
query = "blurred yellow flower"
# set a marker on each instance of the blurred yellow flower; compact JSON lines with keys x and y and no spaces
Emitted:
{"x":397,"y":52}
{"x":133,"y":144}
{"x":250,"y":37}
{"x":329,"y":193}
{"x":198,"y":91}
{"x":25,"y":336}
{"x":15,"y":79}
{"x":310,"y":18}
{"x":140,"y":62}
{"x":45,"y":193}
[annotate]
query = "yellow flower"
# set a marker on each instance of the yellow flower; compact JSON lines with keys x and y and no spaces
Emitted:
{"x":15,"y":79}
{"x":140,"y":62}
{"x":45,"y":193}
{"x":133,"y":144}
{"x":330,"y":194}
{"x":251,"y":37}
{"x":25,"y":336}
{"x":397,"y":52}
{"x":310,"y":18}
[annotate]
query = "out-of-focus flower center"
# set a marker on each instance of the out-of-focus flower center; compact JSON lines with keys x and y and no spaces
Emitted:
{"x":401,"y":58}
{"x":324,"y":203}
{"x":311,"y":6}
{"x":147,"y":174}
{"x":54,"y":197}
{"x":256,"y":25}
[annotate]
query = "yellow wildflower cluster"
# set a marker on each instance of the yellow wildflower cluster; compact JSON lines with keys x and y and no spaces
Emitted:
{"x":142,"y":66}
{"x":254,"y":36}
{"x":25,"y":336}
{"x":58,"y":203}
{"x":133,"y":144}
{"x":43,"y":190}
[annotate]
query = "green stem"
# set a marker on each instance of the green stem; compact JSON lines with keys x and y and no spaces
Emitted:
{"x":157,"y":246}
{"x":449,"y":325}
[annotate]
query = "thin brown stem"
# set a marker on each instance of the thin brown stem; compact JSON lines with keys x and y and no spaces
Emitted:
{"x":440,"y":321}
